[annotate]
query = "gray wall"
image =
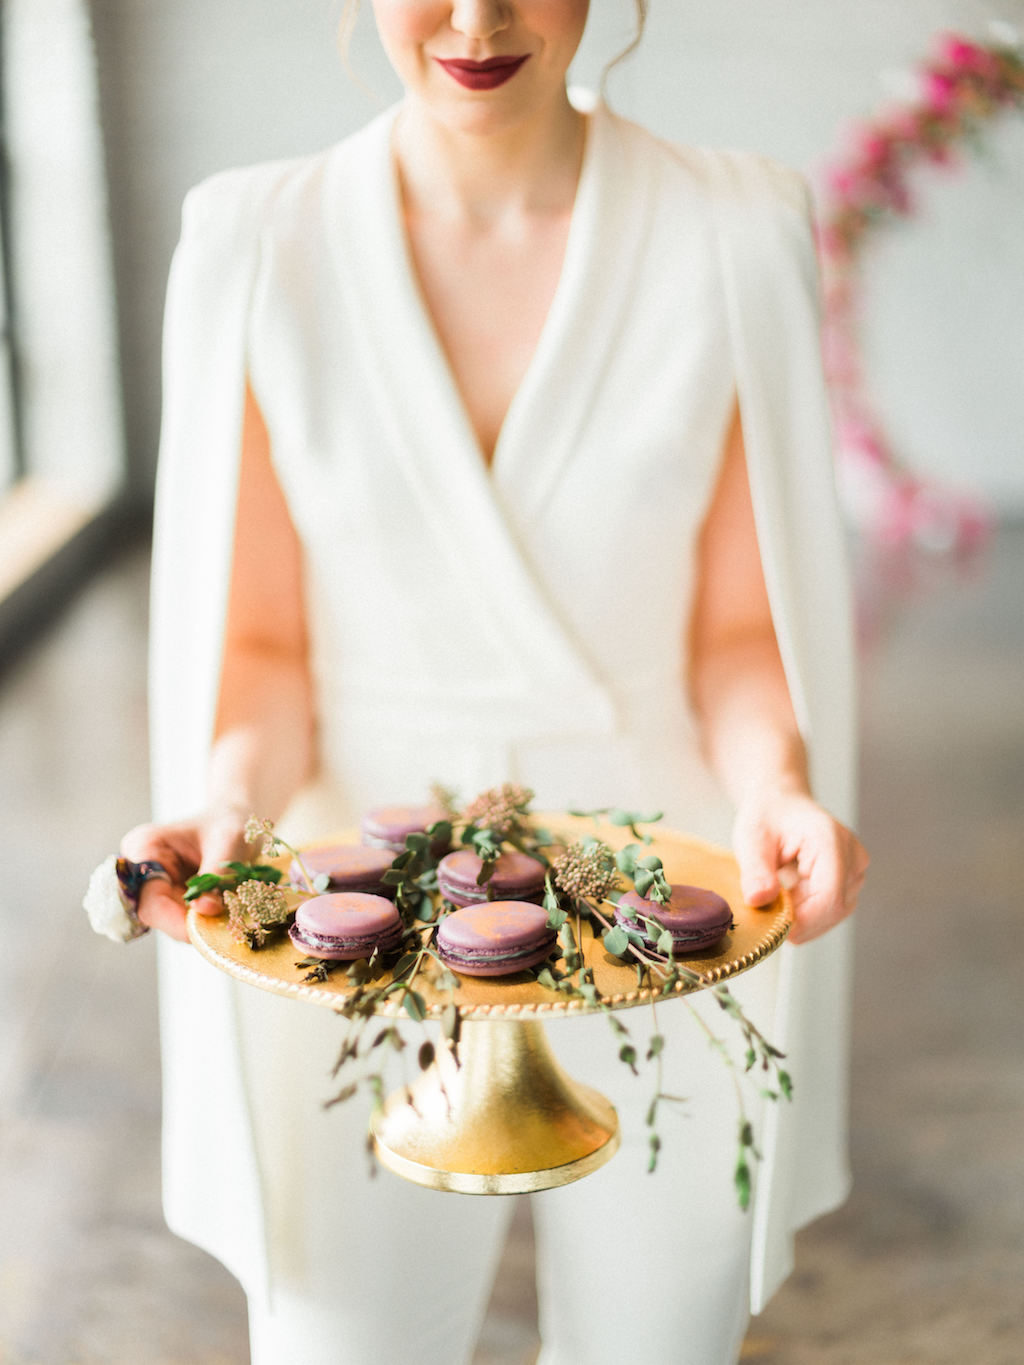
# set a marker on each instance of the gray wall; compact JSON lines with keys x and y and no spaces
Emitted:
{"x":189,"y":87}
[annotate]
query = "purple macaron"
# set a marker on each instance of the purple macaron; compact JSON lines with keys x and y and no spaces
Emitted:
{"x":695,"y":917}
{"x":516,"y":877}
{"x":347,"y":867}
{"x":496,"y":938}
{"x":387,"y":826}
{"x":346,"y":925}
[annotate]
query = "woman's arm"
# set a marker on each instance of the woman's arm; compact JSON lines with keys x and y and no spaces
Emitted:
{"x":747,"y":723}
{"x":263,"y":749}
{"x":264,"y":737}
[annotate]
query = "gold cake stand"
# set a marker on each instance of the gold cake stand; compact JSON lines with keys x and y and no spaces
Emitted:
{"x":508,"y":1119}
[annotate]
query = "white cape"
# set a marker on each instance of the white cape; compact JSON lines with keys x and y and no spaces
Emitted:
{"x":213,"y":1191}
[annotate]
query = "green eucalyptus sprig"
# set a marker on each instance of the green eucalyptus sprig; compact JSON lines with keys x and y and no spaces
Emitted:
{"x":361,"y":1005}
{"x":413,"y":873}
{"x":256,"y":907}
{"x":203,"y":883}
{"x":624,"y":819}
{"x":758,"y":1050}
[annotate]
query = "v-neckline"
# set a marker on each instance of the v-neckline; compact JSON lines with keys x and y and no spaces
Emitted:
{"x":557,"y":318}
{"x":405,"y":363}
{"x":483,"y":516}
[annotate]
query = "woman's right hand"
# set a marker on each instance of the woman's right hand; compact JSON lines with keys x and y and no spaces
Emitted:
{"x":184,"y":849}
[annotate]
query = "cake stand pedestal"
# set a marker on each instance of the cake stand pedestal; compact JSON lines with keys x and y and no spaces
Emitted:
{"x":508,"y":1119}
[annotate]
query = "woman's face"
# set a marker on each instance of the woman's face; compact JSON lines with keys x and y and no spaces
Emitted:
{"x":474,"y":62}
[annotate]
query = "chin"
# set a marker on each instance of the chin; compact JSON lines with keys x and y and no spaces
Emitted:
{"x":481,"y":113}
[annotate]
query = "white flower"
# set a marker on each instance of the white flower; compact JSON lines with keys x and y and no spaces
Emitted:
{"x":105,"y":904}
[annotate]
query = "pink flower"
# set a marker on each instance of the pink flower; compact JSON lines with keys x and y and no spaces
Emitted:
{"x":873,"y":146}
{"x":903,"y":125}
{"x":959,"y":52}
{"x":842,"y":181}
{"x":939,"y":91}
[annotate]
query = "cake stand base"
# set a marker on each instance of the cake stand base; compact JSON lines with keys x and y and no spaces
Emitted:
{"x":506,"y":1120}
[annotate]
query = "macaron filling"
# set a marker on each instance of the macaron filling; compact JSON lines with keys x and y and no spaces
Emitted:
{"x":346,"y":925}
{"x":495,"y":938}
{"x":695,"y":917}
{"x":516,"y":877}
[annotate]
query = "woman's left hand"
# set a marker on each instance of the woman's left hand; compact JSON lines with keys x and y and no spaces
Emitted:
{"x":781,"y":836}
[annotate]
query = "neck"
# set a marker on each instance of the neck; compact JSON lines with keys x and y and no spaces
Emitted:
{"x":532,"y":166}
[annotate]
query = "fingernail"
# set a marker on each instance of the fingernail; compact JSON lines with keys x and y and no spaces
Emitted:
{"x":209,"y":905}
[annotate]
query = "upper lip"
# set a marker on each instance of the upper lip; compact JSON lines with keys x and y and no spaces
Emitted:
{"x":488,"y":63}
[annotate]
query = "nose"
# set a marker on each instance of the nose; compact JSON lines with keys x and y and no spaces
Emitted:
{"x":480,"y":18}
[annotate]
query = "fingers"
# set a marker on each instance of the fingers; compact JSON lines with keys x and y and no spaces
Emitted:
{"x":787,"y":839}
{"x":757,"y":852}
{"x":223,"y":841}
{"x":830,"y":878}
{"x":183,"y":849}
{"x":162,"y":906}
{"x":176,"y":848}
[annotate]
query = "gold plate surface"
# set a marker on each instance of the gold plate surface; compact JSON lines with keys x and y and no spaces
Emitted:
{"x":757,"y":933}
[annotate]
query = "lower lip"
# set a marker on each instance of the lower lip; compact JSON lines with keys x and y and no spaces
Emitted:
{"x":482,"y":77}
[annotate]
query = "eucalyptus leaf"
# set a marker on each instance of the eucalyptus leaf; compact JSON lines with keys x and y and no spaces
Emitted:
{"x":404,"y":963}
{"x":451,"y":1022}
{"x":345,"y":1094}
{"x":616,"y":941}
{"x":446,"y":980}
{"x":742,"y":1182}
{"x":203,"y":883}
{"x":415,"y":1006}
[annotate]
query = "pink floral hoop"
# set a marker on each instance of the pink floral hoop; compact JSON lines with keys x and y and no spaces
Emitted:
{"x":962,"y":87}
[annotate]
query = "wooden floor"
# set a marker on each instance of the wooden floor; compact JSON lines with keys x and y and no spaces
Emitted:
{"x":924,"y":1264}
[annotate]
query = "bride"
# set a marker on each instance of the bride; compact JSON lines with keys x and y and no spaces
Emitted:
{"x":495,"y":448}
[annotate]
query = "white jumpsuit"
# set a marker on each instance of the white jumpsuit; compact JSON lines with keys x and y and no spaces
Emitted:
{"x":527,"y":623}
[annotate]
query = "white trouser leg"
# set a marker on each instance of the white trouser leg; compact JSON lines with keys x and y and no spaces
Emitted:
{"x":363,"y":1269}
{"x":653,"y":1269}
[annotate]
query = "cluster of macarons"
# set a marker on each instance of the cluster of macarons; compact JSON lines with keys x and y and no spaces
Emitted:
{"x":496,"y":928}
{"x":356,"y":912}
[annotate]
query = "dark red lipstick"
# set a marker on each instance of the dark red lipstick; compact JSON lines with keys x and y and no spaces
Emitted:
{"x":486,"y":75}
